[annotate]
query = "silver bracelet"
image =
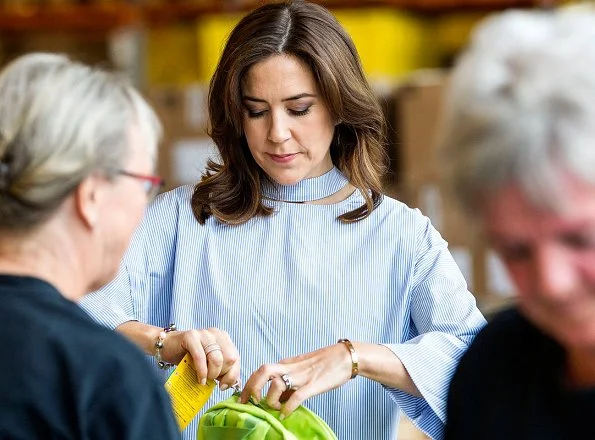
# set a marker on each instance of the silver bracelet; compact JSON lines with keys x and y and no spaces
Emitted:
{"x":159,"y":346}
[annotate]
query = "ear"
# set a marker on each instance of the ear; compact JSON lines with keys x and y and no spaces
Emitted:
{"x":86,"y":200}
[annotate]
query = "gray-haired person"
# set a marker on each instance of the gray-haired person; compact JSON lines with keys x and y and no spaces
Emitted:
{"x":77,"y":149}
{"x":519,"y":145}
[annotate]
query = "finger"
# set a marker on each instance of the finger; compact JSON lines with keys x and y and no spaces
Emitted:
{"x":214,"y":364}
{"x":193,"y":344}
{"x":275,"y":392}
{"x":258,"y":379}
{"x":230,"y":353}
{"x":214,"y":361}
{"x":231,"y":377}
{"x":296,"y":398}
{"x":286,"y":395}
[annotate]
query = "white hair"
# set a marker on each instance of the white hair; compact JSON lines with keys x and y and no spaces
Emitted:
{"x":521,"y":106}
{"x":60,"y":121}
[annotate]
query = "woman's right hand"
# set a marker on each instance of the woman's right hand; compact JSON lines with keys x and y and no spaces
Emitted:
{"x":214,"y":354}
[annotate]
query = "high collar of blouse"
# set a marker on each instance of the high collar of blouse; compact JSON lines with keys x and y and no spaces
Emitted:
{"x":306,"y":190}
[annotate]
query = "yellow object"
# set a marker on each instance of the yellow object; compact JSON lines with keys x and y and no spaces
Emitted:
{"x":212,"y":32}
{"x":187,"y":394}
{"x":172,"y":57}
{"x":390,"y":42}
{"x":452,"y":31}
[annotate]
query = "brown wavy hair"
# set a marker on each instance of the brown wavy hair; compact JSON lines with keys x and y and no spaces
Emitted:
{"x":231,"y":190}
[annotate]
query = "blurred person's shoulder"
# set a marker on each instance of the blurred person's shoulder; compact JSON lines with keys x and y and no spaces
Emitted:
{"x":68,"y":365}
{"x":59,"y":331}
{"x":507,"y":343}
{"x":507,"y":324}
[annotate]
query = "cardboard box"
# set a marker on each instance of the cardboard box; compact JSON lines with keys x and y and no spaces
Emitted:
{"x":187,"y":159}
{"x":186,"y":145}
{"x":419,"y":101}
{"x":498,"y":290}
{"x":183,"y":110}
{"x":418,"y":119}
{"x":435,"y":201}
{"x":485,"y":273}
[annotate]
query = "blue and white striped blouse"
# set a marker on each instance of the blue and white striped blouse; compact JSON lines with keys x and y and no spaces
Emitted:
{"x":299,"y":280}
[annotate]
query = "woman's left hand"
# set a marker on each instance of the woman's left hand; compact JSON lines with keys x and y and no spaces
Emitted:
{"x":298,"y":378}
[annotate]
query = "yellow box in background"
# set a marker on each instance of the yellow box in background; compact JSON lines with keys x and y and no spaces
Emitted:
{"x":390,"y":42}
{"x":452,"y":32}
{"x":172,"y":55}
{"x":211,"y":34}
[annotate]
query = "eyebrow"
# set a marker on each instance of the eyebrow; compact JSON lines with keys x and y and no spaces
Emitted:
{"x":291,"y":98}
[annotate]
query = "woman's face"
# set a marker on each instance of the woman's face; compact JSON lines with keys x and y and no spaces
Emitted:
{"x":551,"y":257}
{"x":123,"y":206}
{"x":287,"y":124}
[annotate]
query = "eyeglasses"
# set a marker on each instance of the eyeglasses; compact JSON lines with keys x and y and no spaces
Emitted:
{"x":151,"y":184}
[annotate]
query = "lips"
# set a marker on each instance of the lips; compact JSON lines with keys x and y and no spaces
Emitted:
{"x":283,"y":158}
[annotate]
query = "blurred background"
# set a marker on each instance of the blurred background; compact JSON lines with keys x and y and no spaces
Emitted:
{"x":169,"y":49}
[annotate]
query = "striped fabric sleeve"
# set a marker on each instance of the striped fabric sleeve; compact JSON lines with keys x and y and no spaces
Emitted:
{"x":113,"y":304}
{"x":444,"y":322}
{"x":124,"y":298}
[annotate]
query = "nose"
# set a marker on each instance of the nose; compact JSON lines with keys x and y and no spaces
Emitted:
{"x":556,"y":275}
{"x":279,"y":130}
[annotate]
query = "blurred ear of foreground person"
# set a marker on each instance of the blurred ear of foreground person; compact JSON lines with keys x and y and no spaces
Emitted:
{"x":77,"y":150}
{"x":519,"y":146}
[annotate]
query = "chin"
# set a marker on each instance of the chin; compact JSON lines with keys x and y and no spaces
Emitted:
{"x":285,"y":178}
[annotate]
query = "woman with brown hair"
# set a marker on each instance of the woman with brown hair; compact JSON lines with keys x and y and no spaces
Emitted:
{"x":288,"y":243}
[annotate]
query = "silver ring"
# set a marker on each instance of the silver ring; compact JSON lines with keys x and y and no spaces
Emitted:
{"x":211,"y":348}
{"x":287,"y":380}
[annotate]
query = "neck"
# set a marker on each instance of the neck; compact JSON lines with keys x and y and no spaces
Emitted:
{"x":331,"y":187}
{"x":48,"y":253}
{"x":337,"y":197}
{"x":580,"y":368}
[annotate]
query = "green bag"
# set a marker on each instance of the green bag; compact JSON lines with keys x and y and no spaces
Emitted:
{"x":231,"y":420}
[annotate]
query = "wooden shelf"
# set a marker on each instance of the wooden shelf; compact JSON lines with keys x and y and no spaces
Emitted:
{"x":68,"y":18}
{"x":98,"y":18}
{"x":186,"y":10}
{"x":445,"y":6}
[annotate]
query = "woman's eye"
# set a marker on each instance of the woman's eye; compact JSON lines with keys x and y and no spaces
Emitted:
{"x":254,"y":114}
{"x":300,"y":112}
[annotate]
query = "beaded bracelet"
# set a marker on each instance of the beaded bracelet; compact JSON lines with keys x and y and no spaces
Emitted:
{"x":159,"y":346}
{"x":354,"y":358}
